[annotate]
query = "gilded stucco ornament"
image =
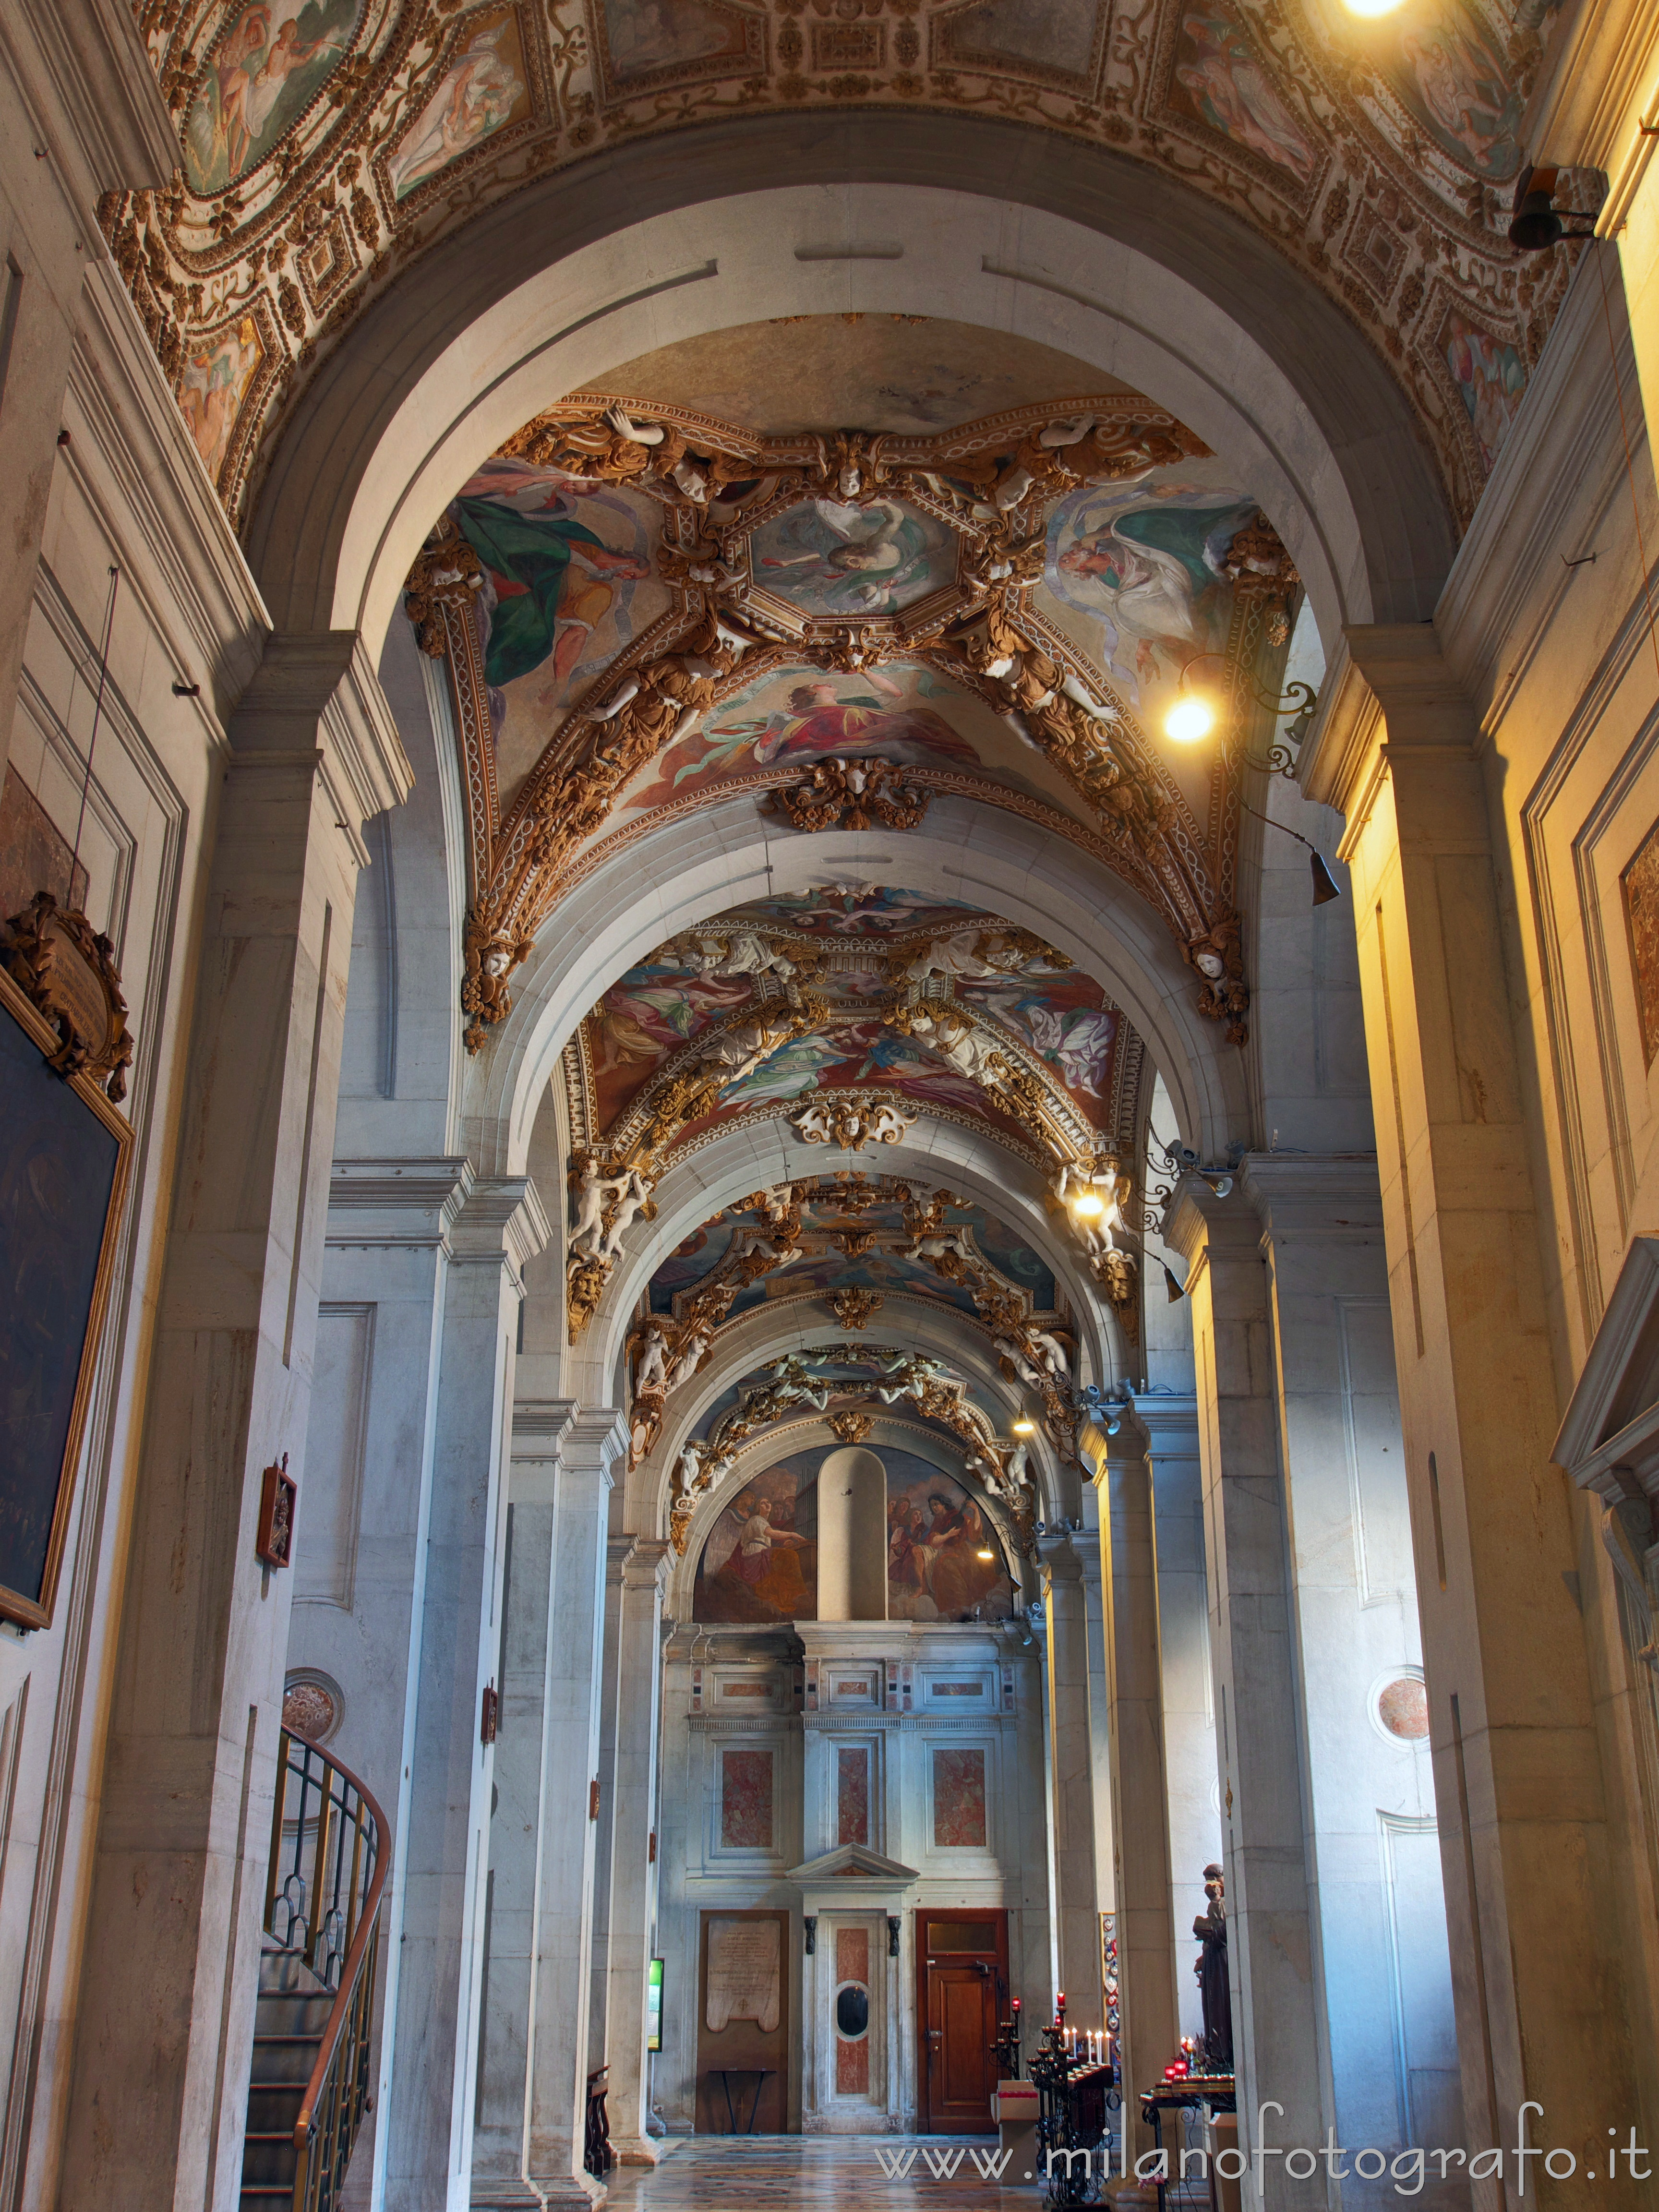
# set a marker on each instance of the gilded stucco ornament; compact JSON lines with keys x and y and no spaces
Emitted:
{"x":312,"y":172}
{"x":916,"y":567}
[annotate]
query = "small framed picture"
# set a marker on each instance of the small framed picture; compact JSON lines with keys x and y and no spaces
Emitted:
{"x":273,"y":1542}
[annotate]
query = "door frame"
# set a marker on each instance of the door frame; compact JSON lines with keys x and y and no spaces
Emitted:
{"x":998,"y":1915}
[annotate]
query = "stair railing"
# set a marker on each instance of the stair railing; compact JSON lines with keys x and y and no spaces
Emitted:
{"x":329,"y":1861}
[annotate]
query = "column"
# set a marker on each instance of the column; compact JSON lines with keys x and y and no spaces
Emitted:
{"x":1145,"y":1939}
{"x":1531,"y":1893}
{"x":631,"y":1772}
{"x":499,"y":2144}
{"x":617,"y":1552}
{"x":370,"y":1442}
{"x":1272,"y":1938}
{"x":1169,"y":1421}
{"x":1385,"y":1992}
{"x":436,"y":1924}
{"x":1077,"y":1886}
{"x":159,"y":2099}
{"x":558,"y":2067}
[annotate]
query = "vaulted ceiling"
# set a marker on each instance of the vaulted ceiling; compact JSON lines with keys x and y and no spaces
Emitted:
{"x":325,"y":146}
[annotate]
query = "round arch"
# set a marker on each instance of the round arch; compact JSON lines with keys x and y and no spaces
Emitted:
{"x":754,"y":1155}
{"x":810,"y":1434}
{"x":769,"y":1332}
{"x":996,"y":223}
{"x":966,"y":850}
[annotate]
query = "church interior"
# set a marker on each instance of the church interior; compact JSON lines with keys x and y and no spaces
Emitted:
{"x":829,"y":1176}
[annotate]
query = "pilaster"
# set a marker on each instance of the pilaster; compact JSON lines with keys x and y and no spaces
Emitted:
{"x":437,"y":1933}
{"x":1076,"y":1846}
{"x":1272,"y":1945}
{"x":570,"y":1824}
{"x":1168,"y":1421}
{"x":1145,"y":1938}
{"x":156,"y":2116}
{"x":1519,"y":1771}
{"x":629,"y":1776}
{"x":500,"y":2148}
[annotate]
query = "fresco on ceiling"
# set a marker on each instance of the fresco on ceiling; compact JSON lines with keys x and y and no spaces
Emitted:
{"x":845,"y":1056}
{"x":896,"y":372}
{"x":760,"y":1561}
{"x":1451,"y":75}
{"x":266,"y":67}
{"x":826,"y":1272}
{"x":217,"y":374}
{"x":1057,"y":36}
{"x":699,"y":1254}
{"x":1490,"y":377}
{"x":568,"y":585}
{"x":484,"y":88}
{"x":644,"y":1019}
{"x":833,"y":563}
{"x":1219,"y":79}
{"x":676,"y":42}
{"x":1064,"y":1020}
{"x":1140,"y":565}
{"x":902,"y":713}
{"x":881,"y":911}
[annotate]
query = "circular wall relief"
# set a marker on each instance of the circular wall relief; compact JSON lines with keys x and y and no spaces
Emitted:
{"x":1401,"y":1709}
{"x":313,"y":1704}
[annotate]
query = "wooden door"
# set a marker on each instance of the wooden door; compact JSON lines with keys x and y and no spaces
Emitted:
{"x":963,"y":1965}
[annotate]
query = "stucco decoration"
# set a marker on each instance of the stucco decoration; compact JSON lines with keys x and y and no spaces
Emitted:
{"x":325,"y":146}
{"x":646,"y":610}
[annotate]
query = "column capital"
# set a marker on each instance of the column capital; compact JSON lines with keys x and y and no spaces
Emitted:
{"x":1199,"y":1223}
{"x":545,"y":1422}
{"x":1388,"y":690}
{"x":410,"y":1202}
{"x":1169,"y":1419}
{"x":502,"y":1223}
{"x":649,"y":1565}
{"x":597,"y":1437}
{"x":318,"y":691}
{"x":1334,"y":1197}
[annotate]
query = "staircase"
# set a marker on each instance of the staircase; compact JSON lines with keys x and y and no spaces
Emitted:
{"x":308,"y":2087}
{"x":293,"y":2013}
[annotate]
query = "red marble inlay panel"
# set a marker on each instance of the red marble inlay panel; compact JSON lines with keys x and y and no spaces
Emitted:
{"x":852,"y":1796}
{"x":852,"y":2057}
{"x":959,"y":1800}
{"x":746,"y":1800}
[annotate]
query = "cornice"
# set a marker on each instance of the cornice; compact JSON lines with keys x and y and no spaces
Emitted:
{"x":501,"y":1221}
{"x":1294,"y":1193}
{"x":546,"y":1421}
{"x":410,"y":1203}
{"x":317,"y":691}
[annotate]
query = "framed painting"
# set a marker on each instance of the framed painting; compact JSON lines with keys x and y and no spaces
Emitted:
{"x":65,"y":1155}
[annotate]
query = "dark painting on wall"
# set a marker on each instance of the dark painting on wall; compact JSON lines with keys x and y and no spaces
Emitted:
{"x":63,"y":1158}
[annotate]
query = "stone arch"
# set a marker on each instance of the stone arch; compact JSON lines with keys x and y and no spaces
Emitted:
{"x":687,"y":871}
{"x":1083,"y":249}
{"x":771,"y":1330}
{"x":812,"y":1435}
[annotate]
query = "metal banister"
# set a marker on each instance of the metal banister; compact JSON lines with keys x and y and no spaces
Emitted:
{"x":334,"y":1907}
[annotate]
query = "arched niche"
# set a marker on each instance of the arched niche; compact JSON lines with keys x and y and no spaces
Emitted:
{"x":851,"y":1535}
{"x":897,"y":1441}
{"x":966,"y":849}
{"x":996,"y":224}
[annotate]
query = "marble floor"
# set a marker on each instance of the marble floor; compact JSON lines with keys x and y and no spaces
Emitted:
{"x":817,"y":2174}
